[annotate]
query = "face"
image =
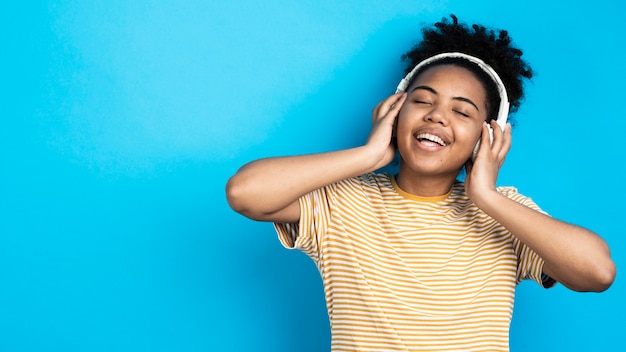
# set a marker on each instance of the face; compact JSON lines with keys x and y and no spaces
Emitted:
{"x":441,"y":120}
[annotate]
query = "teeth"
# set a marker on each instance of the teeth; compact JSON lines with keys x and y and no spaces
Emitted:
{"x":432,"y":138}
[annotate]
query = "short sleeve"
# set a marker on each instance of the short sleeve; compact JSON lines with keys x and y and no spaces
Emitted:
{"x":307,"y":234}
{"x":529,"y":263}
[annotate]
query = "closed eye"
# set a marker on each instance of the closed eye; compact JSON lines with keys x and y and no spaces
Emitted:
{"x":462,"y":113}
{"x":434,"y":92}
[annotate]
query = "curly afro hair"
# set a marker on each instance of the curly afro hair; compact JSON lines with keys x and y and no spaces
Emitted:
{"x":492,"y":46}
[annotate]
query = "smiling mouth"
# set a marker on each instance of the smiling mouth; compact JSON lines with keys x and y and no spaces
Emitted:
{"x":430,"y":139}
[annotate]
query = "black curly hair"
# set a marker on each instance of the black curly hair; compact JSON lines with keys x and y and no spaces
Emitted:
{"x":492,"y":46}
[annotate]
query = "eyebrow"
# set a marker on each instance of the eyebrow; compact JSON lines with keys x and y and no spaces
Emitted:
{"x":429,"y":89}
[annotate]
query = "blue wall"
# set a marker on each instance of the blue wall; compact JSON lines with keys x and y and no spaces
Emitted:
{"x":122,"y":121}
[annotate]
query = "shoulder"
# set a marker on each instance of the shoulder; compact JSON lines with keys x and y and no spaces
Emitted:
{"x":457,"y":193}
{"x":367,"y":181}
{"x":513,"y":194}
{"x":367,"y":186}
{"x":507,"y":190}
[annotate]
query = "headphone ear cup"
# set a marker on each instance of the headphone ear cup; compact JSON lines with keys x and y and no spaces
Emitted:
{"x":475,"y":152}
{"x":490,"y":135}
{"x":477,"y":146}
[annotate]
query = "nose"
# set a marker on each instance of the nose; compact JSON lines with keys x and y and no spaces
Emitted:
{"x":436,"y":115}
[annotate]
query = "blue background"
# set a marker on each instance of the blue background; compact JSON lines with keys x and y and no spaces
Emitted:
{"x":122,"y":121}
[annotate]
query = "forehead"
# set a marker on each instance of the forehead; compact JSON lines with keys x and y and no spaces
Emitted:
{"x":452,"y":79}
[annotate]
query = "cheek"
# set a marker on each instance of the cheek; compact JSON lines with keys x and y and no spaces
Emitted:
{"x":401,"y":121}
{"x":472,"y":132}
{"x":398,"y":126}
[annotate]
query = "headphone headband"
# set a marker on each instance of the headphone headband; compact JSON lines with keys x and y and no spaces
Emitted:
{"x":503,"y":111}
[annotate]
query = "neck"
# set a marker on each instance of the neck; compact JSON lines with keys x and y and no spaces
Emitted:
{"x":425,"y":185}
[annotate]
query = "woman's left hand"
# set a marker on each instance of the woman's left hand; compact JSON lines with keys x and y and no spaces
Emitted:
{"x":482,"y":172}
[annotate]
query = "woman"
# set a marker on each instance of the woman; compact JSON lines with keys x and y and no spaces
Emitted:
{"x":420,"y":261}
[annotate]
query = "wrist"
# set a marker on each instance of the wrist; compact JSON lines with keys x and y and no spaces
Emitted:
{"x":375,"y":159}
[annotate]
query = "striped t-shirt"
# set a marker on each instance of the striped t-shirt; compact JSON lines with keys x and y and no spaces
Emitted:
{"x":408,"y":273}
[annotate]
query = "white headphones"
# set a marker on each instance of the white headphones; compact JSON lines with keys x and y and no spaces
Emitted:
{"x":503,"y":111}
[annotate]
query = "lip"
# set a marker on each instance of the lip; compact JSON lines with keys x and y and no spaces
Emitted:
{"x":429,"y":145}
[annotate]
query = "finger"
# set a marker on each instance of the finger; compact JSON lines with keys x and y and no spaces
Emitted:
{"x":381,"y":109}
{"x":501,"y":142}
{"x":393,"y":103}
{"x":485,"y":137}
{"x":498,"y":136}
{"x":506,"y":142}
{"x":495,"y":136}
{"x":388,"y":108}
{"x":497,"y":130}
{"x":399,"y":100}
{"x":375,"y":112}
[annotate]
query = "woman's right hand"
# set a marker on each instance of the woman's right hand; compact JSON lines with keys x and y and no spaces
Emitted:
{"x":384,"y":117}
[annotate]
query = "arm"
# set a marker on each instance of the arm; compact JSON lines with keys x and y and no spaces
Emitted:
{"x":269,"y":189}
{"x":574,"y":256}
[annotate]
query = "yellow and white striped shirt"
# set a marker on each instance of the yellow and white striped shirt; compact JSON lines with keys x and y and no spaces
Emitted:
{"x":407,"y":273}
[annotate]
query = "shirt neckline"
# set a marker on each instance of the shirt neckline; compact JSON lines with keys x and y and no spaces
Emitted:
{"x":410,"y":196}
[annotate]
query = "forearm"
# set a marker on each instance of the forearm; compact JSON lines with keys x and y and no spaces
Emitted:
{"x":574,"y":256}
{"x":264,"y":187}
